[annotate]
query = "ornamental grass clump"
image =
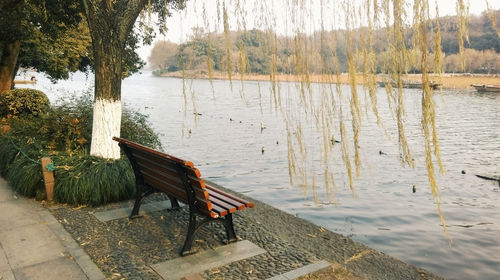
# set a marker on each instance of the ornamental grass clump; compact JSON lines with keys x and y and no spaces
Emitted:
{"x":25,"y":176}
{"x":63,"y":133}
{"x":92,"y":181}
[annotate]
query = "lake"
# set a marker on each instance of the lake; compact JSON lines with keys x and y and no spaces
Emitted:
{"x":225,"y":141}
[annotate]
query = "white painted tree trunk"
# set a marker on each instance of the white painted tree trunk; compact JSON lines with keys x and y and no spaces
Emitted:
{"x":106,"y":124}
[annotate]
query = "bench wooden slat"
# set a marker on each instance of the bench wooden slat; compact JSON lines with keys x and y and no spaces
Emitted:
{"x":222,"y":204}
{"x":164,"y":158}
{"x":166,"y":182}
{"x":140,"y":147}
{"x":238,"y":205}
{"x":197,"y":183}
{"x":160,"y":161}
{"x":174,"y":180}
{"x":178,"y":193}
{"x":246,"y":203}
{"x":219,"y":210}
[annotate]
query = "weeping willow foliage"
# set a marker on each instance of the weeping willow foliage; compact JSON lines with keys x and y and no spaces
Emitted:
{"x":463,"y":34}
{"x":326,"y":113}
{"x":492,"y":18}
{"x":422,"y":22}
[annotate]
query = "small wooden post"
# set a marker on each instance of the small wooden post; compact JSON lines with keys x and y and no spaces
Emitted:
{"x":48,"y":178}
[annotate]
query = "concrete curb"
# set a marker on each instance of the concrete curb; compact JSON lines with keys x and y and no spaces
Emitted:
{"x":81,"y":258}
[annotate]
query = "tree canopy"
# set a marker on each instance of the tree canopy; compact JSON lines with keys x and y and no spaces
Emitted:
{"x":44,"y":34}
{"x":52,"y":36}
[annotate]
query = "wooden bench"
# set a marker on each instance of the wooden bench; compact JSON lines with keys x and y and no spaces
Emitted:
{"x":181,"y":181}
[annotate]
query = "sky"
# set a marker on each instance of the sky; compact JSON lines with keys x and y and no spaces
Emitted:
{"x":286,"y":21}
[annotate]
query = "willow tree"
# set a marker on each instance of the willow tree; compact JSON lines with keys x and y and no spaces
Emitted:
{"x":351,"y":25}
{"x":111,"y":22}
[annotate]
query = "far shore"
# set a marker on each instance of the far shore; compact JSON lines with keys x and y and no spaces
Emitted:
{"x":448,"y":80}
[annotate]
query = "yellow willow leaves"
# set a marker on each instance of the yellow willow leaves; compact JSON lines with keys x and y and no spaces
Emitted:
{"x":326,"y":113}
{"x":355,"y":107}
{"x":369,"y":59}
{"x":438,"y":52}
{"x":438,"y":62}
{"x":210,"y":62}
{"x":399,"y":64}
{"x":273,"y":71}
{"x":463,"y":21}
{"x":227,"y":38}
{"x":421,"y":28}
{"x":491,"y":16}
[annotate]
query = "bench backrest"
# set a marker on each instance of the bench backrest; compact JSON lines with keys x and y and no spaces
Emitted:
{"x":165,"y":173}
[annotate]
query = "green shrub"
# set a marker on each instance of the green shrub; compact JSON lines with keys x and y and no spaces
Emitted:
{"x":7,"y":154}
{"x":136,"y":127}
{"x":71,"y":124}
{"x":23,"y":101}
{"x":66,"y":131}
{"x":64,"y":135}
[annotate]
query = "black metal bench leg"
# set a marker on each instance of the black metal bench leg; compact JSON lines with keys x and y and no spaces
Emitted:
{"x":138,"y":200}
{"x":186,"y":249}
{"x":228,"y":224}
{"x":173,"y":202}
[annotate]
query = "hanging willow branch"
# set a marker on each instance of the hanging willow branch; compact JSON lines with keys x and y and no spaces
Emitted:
{"x":463,"y":34}
{"x":491,"y":16}
{"x":325,"y":113}
{"x":421,"y":31}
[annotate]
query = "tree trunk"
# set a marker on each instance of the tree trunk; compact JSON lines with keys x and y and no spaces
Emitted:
{"x":110,"y":22}
{"x":107,"y":99}
{"x":8,"y":62}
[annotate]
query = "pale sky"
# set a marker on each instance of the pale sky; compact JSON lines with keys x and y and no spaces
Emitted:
{"x":181,"y":23}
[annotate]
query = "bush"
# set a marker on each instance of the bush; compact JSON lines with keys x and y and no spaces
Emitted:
{"x":23,"y":101}
{"x":136,"y":127}
{"x":64,"y":135}
{"x":7,"y":154}
{"x":70,"y":124}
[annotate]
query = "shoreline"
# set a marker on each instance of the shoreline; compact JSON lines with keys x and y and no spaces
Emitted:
{"x":448,"y":80}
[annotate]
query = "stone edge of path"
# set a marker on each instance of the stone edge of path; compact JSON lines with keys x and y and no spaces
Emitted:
{"x":81,"y":258}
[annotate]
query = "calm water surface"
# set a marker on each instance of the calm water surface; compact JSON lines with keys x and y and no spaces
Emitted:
{"x":385,"y":214}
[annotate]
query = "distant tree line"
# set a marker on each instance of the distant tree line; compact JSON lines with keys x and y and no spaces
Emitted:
{"x":253,"y":51}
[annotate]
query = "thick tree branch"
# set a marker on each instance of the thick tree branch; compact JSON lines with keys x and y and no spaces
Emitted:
{"x":132,"y":10}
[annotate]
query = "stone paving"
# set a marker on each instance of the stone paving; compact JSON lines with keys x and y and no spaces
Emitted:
{"x":33,"y":245}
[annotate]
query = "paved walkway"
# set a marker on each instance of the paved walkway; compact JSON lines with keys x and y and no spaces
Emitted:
{"x":33,"y":245}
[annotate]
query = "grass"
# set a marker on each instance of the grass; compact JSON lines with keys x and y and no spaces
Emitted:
{"x":93,"y":181}
{"x":25,"y":176}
